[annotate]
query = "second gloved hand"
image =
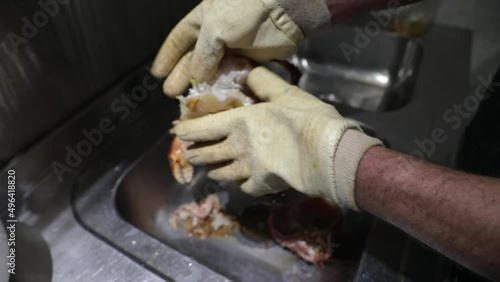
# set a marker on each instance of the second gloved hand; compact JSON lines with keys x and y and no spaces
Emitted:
{"x":292,"y":140}
{"x":261,"y":30}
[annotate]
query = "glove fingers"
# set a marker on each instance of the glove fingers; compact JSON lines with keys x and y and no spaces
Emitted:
{"x":178,"y":80}
{"x":180,"y":40}
{"x":211,"y":154}
{"x":207,"y":55}
{"x":265,"y":84}
{"x":233,"y":171}
{"x":207,"y":128}
{"x":270,"y":87}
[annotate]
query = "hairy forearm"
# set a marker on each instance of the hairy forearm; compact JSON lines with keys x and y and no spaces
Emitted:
{"x":457,"y":214}
{"x":342,"y":10}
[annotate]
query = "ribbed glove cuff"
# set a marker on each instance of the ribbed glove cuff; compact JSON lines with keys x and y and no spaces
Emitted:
{"x":350,"y":150}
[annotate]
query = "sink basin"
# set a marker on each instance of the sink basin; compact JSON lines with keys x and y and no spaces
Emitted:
{"x":132,"y":207}
{"x":108,"y":219}
{"x":126,"y":199}
{"x":148,"y":195}
{"x":129,"y":206}
{"x":377,"y":75}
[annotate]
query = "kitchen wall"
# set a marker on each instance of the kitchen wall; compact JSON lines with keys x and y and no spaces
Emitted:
{"x":57,"y":55}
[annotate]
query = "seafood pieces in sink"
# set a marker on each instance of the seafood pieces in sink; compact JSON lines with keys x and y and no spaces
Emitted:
{"x":307,"y":228}
{"x":205,"y":219}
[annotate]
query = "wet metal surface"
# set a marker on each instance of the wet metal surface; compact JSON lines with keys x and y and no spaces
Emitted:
{"x":379,"y":77}
{"x":147,"y":196}
{"x":57,"y":55}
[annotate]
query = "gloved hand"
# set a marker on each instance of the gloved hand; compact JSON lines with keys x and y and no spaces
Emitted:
{"x":258,"y":29}
{"x":292,"y":139}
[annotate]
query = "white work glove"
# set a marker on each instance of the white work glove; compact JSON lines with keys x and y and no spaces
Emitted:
{"x":292,"y":139}
{"x":261,"y":30}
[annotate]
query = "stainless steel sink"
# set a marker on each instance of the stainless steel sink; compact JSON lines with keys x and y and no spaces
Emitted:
{"x":147,"y":196}
{"x":108,"y":219}
{"x":378,"y":79}
{"x":132,"y":206}
{"x":376,"y":76}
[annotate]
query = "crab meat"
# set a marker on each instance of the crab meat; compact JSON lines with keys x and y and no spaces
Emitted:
{"x":181,"y":168}
{"x":205,"y":219}
{"x":225,"y":91}
{"x":306,"y":228}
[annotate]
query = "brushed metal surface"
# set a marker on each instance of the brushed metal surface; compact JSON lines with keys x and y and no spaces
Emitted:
{"x":379,"y":77}
{"x":44,"y":199}
{"x":57,"y":55}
